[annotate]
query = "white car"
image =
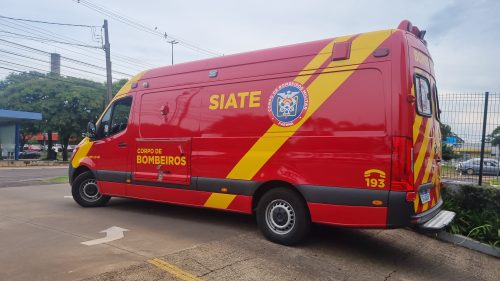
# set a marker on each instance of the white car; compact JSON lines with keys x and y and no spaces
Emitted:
{"x":57,"y":147}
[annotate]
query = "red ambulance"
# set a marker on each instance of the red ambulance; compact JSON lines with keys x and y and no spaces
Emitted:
{"x":342,"y":131}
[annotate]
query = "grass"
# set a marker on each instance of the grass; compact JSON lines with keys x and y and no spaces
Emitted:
{"x":61,"y":179}
{"x":495,"y":182}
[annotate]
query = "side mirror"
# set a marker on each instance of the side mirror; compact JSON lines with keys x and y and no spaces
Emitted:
{"x":91,"y":130}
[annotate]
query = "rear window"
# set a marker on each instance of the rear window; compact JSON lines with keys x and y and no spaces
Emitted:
{"x":423,"y":95}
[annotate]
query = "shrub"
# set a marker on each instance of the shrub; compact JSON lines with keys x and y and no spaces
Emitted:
{"x":478,"y":211}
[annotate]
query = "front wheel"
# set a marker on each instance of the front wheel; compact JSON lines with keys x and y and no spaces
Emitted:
{"x":85,"y":191}
{"x":283,"y":216}
{"x":470,"y":172}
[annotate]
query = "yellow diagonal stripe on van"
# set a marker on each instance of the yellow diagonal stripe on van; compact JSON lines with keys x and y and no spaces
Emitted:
{"x":318,"y":60}
{"x":416,"y":127}
{"x":174,"y":270}
{"x":219,"y":200}
{"x":319,"y":91}
{"x":423,"y":149}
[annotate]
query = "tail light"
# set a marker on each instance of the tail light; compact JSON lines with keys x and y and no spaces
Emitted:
{"x":402,"y":165}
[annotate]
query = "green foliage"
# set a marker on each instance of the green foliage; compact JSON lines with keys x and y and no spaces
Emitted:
{"x":118,"y":85}
{"x":66,"y":103}
{"x":494,"y":137}
{"x":478,"y":212}
{"x":447,"y":132}
{"x":448,"y":153}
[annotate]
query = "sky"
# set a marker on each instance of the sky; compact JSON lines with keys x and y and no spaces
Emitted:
{"x":463,"y":36}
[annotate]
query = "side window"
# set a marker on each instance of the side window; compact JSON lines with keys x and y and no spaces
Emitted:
{"x":103,"y":126}
{"x":115,"y":119}
{"x":423,"y":92}
{"x":119,"y":119}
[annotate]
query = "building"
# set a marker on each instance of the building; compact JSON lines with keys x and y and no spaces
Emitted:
{"x":10,"y":124}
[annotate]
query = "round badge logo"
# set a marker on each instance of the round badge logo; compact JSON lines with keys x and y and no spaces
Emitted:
{"x":288,"y":104}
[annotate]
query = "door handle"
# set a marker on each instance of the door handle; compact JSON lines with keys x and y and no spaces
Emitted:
{"x":122,"y":144}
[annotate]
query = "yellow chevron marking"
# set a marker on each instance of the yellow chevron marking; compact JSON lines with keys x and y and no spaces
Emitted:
{"x":219,"y":200}
{"x":416,"y":127}
{"x":417,"y":200}
{"x":429,"y":165}
{"x":423,"y":149}
{"x":319,"y":91}
{"x":174,"y":270}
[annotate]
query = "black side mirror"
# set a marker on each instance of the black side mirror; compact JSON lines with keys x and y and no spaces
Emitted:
{"x":91,"y":131}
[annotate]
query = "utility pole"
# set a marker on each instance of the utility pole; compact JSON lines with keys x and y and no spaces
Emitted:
{"x":55,"y":63}
{"x":107,"y":49}
{"x":173,"y":42}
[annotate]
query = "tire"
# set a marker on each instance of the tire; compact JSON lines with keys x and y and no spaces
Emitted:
{"x":85,"y":191}
{"x":469,"y":172}
{"x":283,"y":217}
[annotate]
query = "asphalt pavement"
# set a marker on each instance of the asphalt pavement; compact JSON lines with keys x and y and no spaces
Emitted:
{"x":42,"y":230}
{"x":30,"y":175}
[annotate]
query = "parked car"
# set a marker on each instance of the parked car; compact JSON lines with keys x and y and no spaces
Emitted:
{"x":471,"y":167}
{"x":57,"y":147}
{"x":71,"y":148}
{"x":34,"y":147}
{"x":27,"y":154}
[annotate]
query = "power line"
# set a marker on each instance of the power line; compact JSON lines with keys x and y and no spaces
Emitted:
{"x":29,"y":28}
{"x":62,"y":57}
{"x":40,"y":39}
{"x":142,"y":27}
{"x":47,"y":22}
{"x":32,"y":64}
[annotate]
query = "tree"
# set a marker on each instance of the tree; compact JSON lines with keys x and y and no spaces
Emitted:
{"x":447,"y":150}
{"x":118,"y":85}
{"x":66,"y":103}
{"x":494,"y":137}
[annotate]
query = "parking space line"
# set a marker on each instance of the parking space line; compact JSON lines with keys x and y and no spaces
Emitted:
{"x":174,"y":270}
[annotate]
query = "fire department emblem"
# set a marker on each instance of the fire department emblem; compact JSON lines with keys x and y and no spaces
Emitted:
{"x":288,"y":104}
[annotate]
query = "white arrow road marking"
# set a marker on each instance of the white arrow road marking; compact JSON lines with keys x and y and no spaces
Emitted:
{"x":113,"y":233}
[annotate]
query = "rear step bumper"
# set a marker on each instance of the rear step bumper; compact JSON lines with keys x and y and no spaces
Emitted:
{"x":438,"y":222}
{"x":433,"y":220}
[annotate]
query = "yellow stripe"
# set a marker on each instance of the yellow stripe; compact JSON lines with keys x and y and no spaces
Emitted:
{"x":319,"y":91}
{"x":417,"y":200}
{"x":318,"y":60}
{"x":219,"y":200}
{"x":122,"y":92}
{"x":83,"y":149}
{"x":128,"y":86}
{"x":429,"y":165}
{"x":416,"y":127}
{"x":174,"y":270}
{"x":423,"y":149}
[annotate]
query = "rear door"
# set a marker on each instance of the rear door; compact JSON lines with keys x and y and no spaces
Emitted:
{"x":426,"y":142}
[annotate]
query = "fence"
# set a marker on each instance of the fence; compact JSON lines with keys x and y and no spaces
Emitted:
{"x":471,"y":131}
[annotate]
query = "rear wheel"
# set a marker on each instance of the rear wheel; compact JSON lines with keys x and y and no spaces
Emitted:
{"x":283,"y":216}
{"x":85,"y":191}
{"x":470,"y":172}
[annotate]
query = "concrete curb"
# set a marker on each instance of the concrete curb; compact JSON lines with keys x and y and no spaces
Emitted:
{"x":468,"y":243}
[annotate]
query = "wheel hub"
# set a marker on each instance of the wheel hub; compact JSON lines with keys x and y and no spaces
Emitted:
{"x":280,"y":216}
{"x":90,"y":190}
